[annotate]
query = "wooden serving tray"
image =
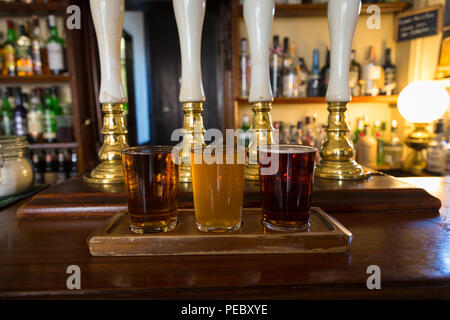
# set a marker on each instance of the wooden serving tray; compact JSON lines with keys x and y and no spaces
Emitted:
{"x":325,"y":235}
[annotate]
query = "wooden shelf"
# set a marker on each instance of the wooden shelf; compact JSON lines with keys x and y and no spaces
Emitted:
{"x":313,"y":100}
{"x":314,"y":10}
{"x":24,"y":9}
{"x":57,"y":145}
{"x":34,"y":79}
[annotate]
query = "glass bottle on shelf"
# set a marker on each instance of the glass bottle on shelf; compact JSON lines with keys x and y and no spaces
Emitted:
{"x":303,"y":78}
{"x":245,"y":68}
{"x":24,"y":60}
{"x":49,"y":120}
{"x":393,"y":148}
{"x":61,"y":174}
{"x":366,"y":149}
{"x":37,"y":46}
{"x":2,"y":60}
{"x":299,"y":133}
{"x":389,"y":75}
{"x":371,"y":74}
{"x":314,"y":79}
{"x":19,"y":115}
{"x":36,"y":157}
{"x":436,"y":153}
{"x":9,"y":51}
{"x":49,"y":168}
{"x":354,"y":75}
{"x":289,"y":73}
{"x":34,"y":118}
{"x":275,"y":67}
{"x":6,"y":115}
{"x":73,"y":164}
{"x":243,"y":137}
{"x":55,"y":51}
{"x":308,"y":135}
{"x":325,"y":75}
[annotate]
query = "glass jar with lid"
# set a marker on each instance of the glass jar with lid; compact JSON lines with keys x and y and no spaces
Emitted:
{"x":17,"y":173}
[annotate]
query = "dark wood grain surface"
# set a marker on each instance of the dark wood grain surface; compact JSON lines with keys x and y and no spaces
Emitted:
{"x":75,"y":198}
{"x":412,"y":250}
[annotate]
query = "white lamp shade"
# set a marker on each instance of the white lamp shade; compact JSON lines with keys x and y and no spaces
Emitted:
{"x":423,"y":101}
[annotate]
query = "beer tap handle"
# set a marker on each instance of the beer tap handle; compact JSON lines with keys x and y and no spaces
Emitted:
{"x":108,"y":21}
{"x":342,"y":19}
{"x":258,"y":15}
{"x":190,"y":15}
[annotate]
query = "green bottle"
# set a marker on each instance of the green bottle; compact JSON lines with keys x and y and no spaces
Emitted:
{"x":55,"y":101}
{"x":55,"y":50}
{"x":48,"y":118}
{"x":6,"y":116}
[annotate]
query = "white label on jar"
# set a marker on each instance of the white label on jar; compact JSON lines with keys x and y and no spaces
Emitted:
{"x":55,"y":56}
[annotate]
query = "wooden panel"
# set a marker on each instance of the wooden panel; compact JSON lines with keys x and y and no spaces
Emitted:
{"x":75,"y":198}
{"x":311,"y":10}
{"x":325,"y":235}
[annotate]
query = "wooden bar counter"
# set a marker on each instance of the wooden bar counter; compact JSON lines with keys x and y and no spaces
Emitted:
{"x":411,"y":249}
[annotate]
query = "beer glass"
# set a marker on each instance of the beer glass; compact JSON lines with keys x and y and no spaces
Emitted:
{"x":218,"y":187}
{"x":286,"y":189}
{"x":151,"y":181}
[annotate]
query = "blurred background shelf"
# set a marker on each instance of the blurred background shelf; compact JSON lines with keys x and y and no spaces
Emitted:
{"x":309,"y":10}
{"x":35,"y":79}
{"x":312,"y":100}
{"x":41,"y":9}
{"x":57,"y":145}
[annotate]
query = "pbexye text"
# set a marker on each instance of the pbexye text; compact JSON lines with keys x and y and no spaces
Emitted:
{"x":230,"y":309}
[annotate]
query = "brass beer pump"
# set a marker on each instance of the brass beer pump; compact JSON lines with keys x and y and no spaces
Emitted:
{"x":189,"y":15}
{"x":108,"y":18}
{"x":336,"y":151}
{"x":258,"y":15}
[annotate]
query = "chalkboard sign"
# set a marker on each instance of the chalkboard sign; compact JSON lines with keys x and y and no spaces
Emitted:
{"x":420,"y":23}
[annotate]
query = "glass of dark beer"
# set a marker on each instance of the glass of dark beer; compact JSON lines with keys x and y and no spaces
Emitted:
{"x":286,"y":179}
{"x":151,"y":181}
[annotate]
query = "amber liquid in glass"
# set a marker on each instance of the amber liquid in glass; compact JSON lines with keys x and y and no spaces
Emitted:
{"x":151,"y":180}
{"x":218,"y":194}
{"x":286,"y":195}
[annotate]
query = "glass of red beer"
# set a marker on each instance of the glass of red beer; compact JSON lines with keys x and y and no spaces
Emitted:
{"x":286,"y":179}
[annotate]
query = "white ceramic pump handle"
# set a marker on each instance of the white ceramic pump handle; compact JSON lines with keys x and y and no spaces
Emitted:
{"x":108,"y":21}
{"x":258,"y":15}
{"x":342,"y":19}
{"x":190,"y":15}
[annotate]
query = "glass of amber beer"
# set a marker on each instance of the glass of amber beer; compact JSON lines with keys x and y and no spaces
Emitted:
{"x":151,"y":181}
{"x":218,"y":187}
{"x":286,"y":189}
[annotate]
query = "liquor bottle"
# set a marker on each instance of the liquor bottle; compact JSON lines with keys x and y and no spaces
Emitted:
{"x":55,"y":101}
{"x":24,"y":60}
{"x":6,"y":116}
{"x":55,"y":50}
{"x":276,"y":132}
{"x":299,"y":133}
{"x":37,"y":166}
{"x":49,"y":168}
{"x":379,"y":132}
{"x":371,"y":74}
{"x":389,"y":75}
{"x":275,"y":67}
{"x":325,"y":75}
{"x":19,"y":115}
{"x":314,"y":79}
{"x":284,"y":136}
{"x":34,"y":118}
{"x":9,"y":51}
{"x":366,"y":150}
{"x":308,"y":135}
{"x":289,"y":74}
{"x":37,"y":46}
{"x":393,"y":148}
{"x":292,"y":131}
{"x":61,"y":171}
{"x":245,"y":68}
{"x":436,"y":155}
{"x":303,"y":78}
{"x":49,"y":120}
{"x":73,"y":164}
{"x":354,"y":76}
